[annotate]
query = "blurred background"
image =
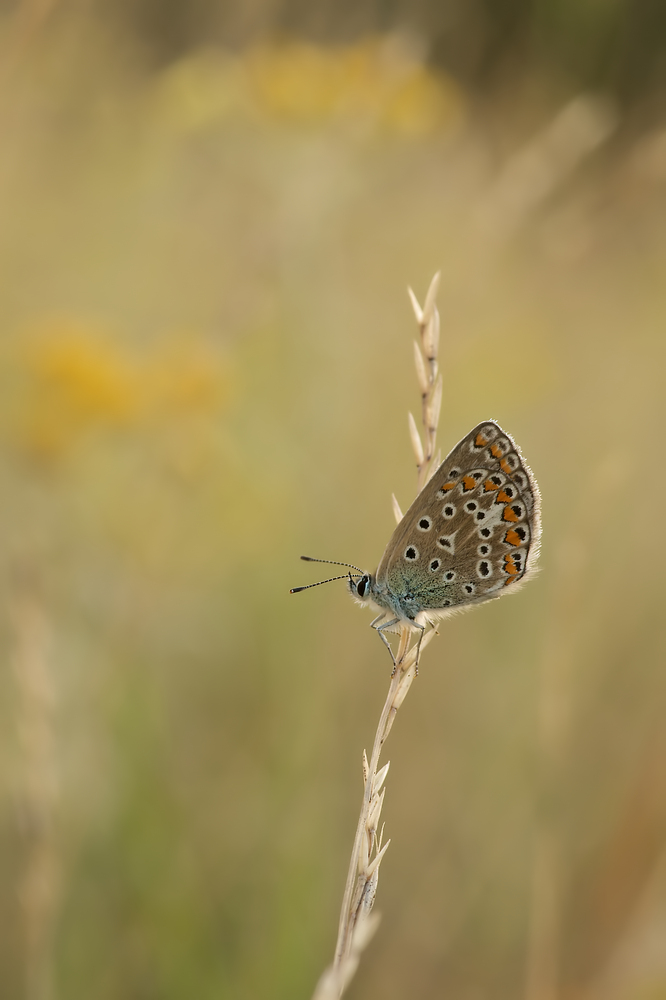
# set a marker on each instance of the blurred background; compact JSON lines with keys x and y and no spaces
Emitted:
{"x":210,"y":214}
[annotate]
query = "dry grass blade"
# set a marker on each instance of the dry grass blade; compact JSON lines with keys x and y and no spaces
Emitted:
{"x":357,"y":923}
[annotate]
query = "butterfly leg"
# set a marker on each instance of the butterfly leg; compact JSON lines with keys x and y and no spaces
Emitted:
{"x":379,"y":629}
{"x":418,"y":647}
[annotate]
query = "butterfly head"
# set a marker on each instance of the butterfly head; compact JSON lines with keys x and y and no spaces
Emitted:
{"x":361,"y":588}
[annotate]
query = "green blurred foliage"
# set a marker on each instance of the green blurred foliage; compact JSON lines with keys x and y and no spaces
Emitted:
{"x":206,"y":370}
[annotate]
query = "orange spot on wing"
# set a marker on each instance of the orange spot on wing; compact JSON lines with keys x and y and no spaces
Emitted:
{"x":512,"y":537}
{"x":496,"y":450}
{"x":509,"y":566}
{"x":480,"y":441}
{"x":504,"y":465}
{"x":509,"y":515}
{"x":503,"y":498}
{"x":447,"y":486}
{"x":469,"y":482}
{"x":488,"y":486}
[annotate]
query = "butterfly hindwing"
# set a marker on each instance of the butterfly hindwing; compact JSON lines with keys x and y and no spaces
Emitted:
{"x":472,"y":531}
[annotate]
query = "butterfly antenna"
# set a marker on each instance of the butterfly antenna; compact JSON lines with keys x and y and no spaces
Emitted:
{"x":296,"y":590}
{"x":331,"y":562}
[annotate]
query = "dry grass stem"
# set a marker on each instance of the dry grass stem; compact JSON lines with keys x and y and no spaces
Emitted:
{"x":543,"y":165}
{"x":38,"y":892}
{"x":357,"y":922}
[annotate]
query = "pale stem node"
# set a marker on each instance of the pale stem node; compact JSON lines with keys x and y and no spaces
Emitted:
{"x":430,"y":338}
{"x":433,"y":407}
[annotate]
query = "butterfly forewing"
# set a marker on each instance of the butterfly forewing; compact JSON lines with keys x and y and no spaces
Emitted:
{"x":472,"y":531}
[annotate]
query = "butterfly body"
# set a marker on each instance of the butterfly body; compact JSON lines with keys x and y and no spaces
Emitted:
{"x":472,"y":533}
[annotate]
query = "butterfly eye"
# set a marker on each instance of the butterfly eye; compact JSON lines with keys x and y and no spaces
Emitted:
{"x":362,"y":586}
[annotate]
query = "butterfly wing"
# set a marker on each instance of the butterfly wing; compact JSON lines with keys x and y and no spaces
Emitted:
{"x":472,"y":532}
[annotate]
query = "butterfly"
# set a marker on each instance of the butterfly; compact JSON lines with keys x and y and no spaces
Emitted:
{"x":472,"y":535}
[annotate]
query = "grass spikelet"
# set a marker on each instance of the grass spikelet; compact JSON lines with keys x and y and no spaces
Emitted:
{"x":416,"y":441}
{"x":429,"y":379}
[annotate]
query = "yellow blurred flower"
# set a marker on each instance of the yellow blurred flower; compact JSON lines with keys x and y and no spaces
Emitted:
{"x":71,"y":379}
{"x":377,"y":80}
{"x":421,"y":102}
{"x":297,"y":80}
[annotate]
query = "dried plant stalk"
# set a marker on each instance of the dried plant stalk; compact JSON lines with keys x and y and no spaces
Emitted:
{"x":39,"y":884}
{"x":357,"y":922}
